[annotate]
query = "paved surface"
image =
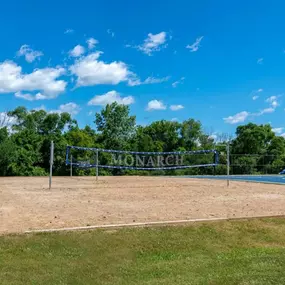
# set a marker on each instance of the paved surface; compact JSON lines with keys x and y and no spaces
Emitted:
{"x":275,"y":179}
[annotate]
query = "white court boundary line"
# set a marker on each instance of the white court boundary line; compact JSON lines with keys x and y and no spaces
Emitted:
{"x":145,"y":224}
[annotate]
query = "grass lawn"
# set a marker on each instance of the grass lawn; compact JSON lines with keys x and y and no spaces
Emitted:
{"x":236,"y":252}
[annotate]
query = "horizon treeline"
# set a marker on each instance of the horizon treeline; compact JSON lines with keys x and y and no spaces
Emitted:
{"x":25,"y":138}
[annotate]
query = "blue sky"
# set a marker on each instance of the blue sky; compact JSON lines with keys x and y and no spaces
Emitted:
{"x":221,"y":62}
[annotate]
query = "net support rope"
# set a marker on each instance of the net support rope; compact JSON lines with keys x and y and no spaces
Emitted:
{"x":90,"y":165}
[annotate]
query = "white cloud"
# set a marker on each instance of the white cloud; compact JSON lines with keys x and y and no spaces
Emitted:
{"x":155,"y":105}
{"x":109,"y":98}
{"x":255,"y":93}
{"x":77,"y":51}
{"x":277,"y":130}
{"x":29,"y":54}
{"x":176,"y":107}
{"x":70,"y":108}
{"x":42,"y":107}
{"x":153,"y":80}
{"x":213,"y":136}
{"x":174,"y":120}
{"x":267,"y":111}
{"x":196,"y":45}
{"x":273,"y":101}
{"x":69,"y":31}
{"x":274,"y":104}
{"x":90,"y":71}
{"x":31,"y":97}
{"x":153,"y":42}
{"x":237,"y":118}
{"x":92,"y":43}
{"x":7,"y":121}
{"x":242,"y":116}
{"x":264,"y":111}
{"x":180,"y":81}
{"x":110,"y":32}
{"x":260,"y":61}
{"x":44,"y":80}
{"x":150,"y":80}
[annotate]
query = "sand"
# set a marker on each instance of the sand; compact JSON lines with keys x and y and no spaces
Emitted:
{"x":26,"y":203}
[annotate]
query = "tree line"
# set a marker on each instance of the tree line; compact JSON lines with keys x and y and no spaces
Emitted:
{"x":25,"y":138}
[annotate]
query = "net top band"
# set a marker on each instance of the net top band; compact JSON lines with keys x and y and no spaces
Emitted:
{"x":142,"y":152}
{"x":80,"y":165}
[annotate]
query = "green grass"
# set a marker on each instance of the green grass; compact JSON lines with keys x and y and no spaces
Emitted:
{"x":237,"y":252}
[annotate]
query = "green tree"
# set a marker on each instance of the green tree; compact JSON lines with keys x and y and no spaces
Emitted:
{"x":3,"y":134}
{"x":25,"y":144}
{"x":7,"y":152}
{"x":253,"y":149}
{"x":115,"y":126}
{"x":158,"y":136}
{"x":190,"y":132}
{"x":252,"y":139}
{"x":32,"y":133}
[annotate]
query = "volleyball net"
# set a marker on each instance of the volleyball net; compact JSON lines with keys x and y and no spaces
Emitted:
{"x":86,"y":158}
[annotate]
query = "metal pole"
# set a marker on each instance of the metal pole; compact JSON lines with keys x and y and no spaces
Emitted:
{"x":97,"y":165}
{"x":228,"y":164}
{"x":71,"y":165}
{"x":51,"y":163}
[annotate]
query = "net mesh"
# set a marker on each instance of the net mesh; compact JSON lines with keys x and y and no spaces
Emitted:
{"x":83,"y":157}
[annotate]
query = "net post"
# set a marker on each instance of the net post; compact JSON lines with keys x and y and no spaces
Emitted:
{"x":51,"y":163}
{"x":71,"y":165}
{"x":228,"y":164}
{"x":96,"y":164}
{"x":215,"y":161}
